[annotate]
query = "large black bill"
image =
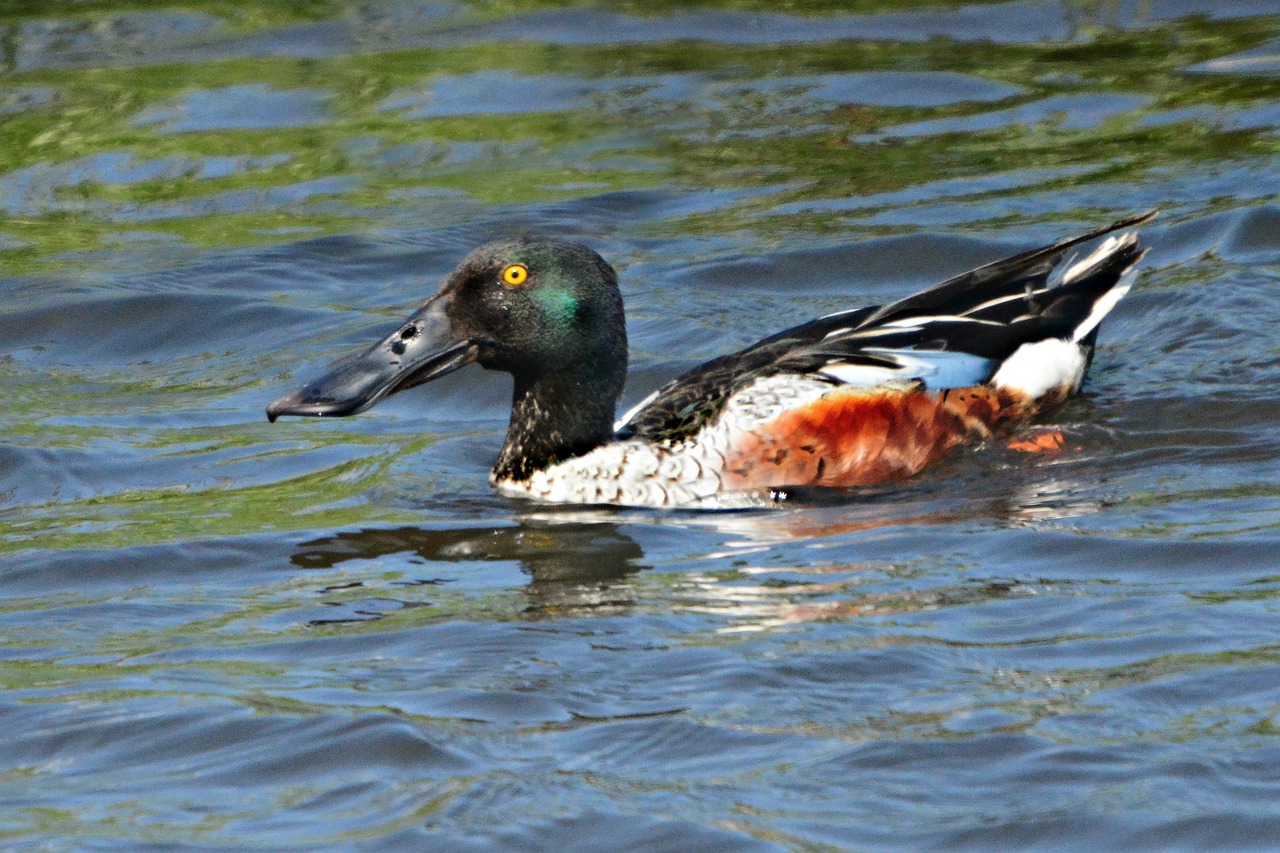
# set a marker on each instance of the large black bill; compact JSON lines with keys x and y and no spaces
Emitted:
{"x":424,"y":348}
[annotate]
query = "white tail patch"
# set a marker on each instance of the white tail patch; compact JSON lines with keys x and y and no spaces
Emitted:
{"x":1037,"y":368}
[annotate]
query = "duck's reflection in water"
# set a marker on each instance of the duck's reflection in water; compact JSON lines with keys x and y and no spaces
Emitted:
{"x":569,"y":563}
{"x":758,"y":569}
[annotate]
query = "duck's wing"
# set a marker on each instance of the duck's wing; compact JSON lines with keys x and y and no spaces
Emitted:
{"x":968,"y":330}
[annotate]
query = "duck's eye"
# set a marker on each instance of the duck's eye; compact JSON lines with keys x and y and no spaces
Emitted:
{"x":515,"y":275}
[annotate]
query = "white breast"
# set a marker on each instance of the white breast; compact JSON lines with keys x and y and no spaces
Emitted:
{"x":685,"y":473}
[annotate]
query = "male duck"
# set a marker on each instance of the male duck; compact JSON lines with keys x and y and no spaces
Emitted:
{"x":852,"y":398}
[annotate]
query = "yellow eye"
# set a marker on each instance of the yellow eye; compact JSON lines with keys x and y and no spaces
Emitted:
{"x":515,"y":275}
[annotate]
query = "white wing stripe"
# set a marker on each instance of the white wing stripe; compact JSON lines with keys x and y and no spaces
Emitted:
{"x":905,"y":325}
{"x":924,"y":320}
{"x":991,"y":303}
{"x":631,"y":413}
{"x":1105,"y":303}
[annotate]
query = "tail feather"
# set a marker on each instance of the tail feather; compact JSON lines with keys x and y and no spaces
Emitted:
{"x":1087,"y":291}
{"x":1025,"y":274}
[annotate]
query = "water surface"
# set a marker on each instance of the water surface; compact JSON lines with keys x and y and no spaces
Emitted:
{"x":217,"y":633}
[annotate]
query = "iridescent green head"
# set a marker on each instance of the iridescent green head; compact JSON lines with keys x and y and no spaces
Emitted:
{"x":547,"y":312}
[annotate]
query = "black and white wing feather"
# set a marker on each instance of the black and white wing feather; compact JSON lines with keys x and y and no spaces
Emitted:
{"x":1026,"y":322}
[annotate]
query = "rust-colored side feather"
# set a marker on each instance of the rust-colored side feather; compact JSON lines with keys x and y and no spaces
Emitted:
{"x":856,"y":437}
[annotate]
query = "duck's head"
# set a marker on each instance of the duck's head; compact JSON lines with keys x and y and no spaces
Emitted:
{"x":547,"y":312}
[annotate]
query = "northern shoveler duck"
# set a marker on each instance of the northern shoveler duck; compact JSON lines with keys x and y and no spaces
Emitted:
{"x":853,"y":398}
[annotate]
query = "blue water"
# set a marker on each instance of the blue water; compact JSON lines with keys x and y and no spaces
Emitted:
{"x":219,"y":633}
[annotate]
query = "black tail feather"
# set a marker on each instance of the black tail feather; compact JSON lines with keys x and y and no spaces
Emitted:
{"x":1014,"y":273}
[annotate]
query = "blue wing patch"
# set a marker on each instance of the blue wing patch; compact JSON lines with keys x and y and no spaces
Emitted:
{"x":937,"y":369}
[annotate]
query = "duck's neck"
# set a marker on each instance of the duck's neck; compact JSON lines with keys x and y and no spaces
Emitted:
{"x":554,"y":417}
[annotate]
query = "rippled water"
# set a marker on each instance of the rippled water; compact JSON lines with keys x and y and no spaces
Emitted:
{"x":220,"y":633}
